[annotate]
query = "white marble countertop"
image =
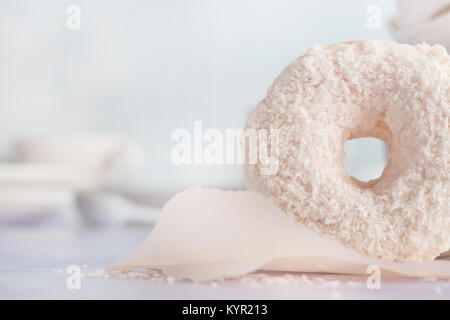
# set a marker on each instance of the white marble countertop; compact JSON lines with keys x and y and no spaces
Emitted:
{"x":33,"y":263}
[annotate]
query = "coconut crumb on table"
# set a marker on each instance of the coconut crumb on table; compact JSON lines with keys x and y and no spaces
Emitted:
{"x":143,"y":274}
{"x":259,"y":278}
{"x":252,"y":279}
{"x":287,"y":279}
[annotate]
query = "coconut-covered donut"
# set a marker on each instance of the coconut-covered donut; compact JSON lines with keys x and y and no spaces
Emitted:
{"x":395,"y":92}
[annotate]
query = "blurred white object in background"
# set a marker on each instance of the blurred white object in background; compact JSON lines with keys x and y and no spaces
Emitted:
{"x":422,"y":21}
{"x":106,"y":159}
{"x":48,"y":172}
{"x":41,"y":186}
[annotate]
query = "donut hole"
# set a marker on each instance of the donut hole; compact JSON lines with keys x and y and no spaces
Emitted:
{"x":365,"y":158}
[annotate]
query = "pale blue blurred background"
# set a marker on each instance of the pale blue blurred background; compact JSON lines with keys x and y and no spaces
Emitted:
{"x":145,"y":68}
{"x":133,"y":73}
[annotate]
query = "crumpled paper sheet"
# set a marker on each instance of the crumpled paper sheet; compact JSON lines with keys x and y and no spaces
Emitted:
{"x":207,"y":234}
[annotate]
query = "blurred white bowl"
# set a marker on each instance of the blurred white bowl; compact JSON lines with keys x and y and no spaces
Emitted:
{"x":108,"y":158}
{"x":48,"y":172}
{"x":42,"y":187}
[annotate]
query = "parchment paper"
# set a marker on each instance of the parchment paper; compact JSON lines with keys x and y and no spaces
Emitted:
{"x":207,"y":234}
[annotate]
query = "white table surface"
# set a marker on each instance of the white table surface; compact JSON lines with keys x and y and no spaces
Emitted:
{"x":33,"y":262}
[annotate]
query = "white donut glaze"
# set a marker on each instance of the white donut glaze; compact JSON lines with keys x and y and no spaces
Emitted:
{"x":395,"y":92}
